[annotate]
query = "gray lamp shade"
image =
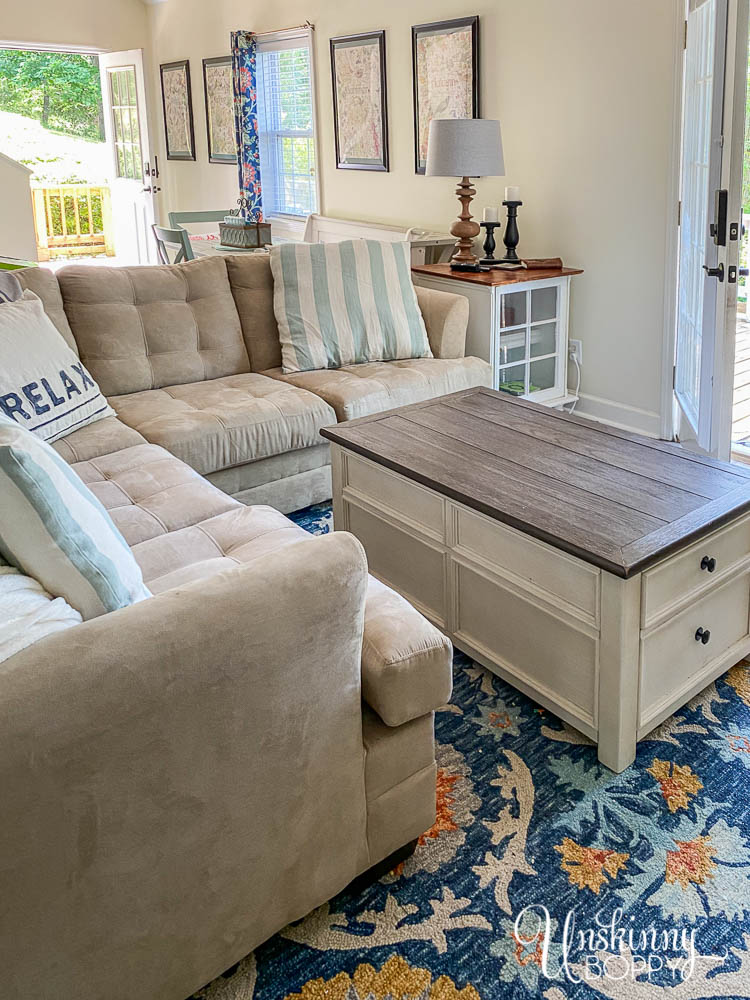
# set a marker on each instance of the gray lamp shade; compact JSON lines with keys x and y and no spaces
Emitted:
{"x":465,"y":147}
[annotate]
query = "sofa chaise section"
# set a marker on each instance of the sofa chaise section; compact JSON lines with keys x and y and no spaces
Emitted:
{"x":204,"y":768}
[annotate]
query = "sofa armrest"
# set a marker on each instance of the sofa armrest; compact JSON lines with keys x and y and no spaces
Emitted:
{"x":446,"y":317}
{"x":183,"y":777}
{"x":407,"y":669}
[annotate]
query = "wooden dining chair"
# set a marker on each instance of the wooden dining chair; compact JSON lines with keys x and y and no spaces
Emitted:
{"x":175,"y":239}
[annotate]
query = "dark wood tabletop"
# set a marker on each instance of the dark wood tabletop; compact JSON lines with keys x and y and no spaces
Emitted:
{"x":617,"y":500}
{"x":496,"y":276}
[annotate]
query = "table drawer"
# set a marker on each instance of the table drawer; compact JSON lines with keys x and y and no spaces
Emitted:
{"x":535,"y":647}
{"x":671,"y":654}
{"x":386,"y":489}
{"x":679,"y":576}
{"x":510,"y":551}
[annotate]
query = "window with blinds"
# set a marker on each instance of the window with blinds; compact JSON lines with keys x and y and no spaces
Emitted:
{"x":286,"y":127}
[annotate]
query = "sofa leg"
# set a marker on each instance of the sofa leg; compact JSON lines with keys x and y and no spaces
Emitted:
{"x":366,"y":879}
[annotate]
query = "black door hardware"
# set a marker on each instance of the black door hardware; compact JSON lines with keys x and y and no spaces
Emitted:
{"x":714,"y":272}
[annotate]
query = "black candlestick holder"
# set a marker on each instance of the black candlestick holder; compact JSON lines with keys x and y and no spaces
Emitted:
{"x":511,"y":237}
{"x":489,"y":242}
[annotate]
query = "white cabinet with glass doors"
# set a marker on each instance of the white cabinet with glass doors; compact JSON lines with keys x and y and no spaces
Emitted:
{"x":519,"y":325}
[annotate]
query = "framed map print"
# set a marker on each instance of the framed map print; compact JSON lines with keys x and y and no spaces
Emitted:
{"x":359,"y":101}
{"x":217,"y":90}
{"x":177,"y":103}
{"x":445,"y":67}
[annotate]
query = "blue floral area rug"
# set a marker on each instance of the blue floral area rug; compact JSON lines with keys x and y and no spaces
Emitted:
{"x":545,"y":875}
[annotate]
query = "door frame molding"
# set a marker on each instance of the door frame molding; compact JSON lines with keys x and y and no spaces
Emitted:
{"x":672,"y":235}
{"x":736,"y":70}
{"x":731,"y":179}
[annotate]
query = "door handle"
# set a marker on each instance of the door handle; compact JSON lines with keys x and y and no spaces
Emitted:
{"x":718,"y":228}
{"x":714,"y":272}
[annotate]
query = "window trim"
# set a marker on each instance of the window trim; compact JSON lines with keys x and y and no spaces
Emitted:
{"x":276,"y":41}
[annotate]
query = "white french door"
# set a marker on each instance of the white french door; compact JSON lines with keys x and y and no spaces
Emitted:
{"x":703,"y":225}
{"x":133,"y":177}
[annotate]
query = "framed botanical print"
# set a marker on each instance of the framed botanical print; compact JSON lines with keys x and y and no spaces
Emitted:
{"x":445,"y":67}
{"x":217,"y":90}
{"x":177,"y":103}
{"x":359,"y":101}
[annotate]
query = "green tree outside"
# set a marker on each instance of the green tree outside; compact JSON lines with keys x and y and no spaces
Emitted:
{"x":59,"y":89}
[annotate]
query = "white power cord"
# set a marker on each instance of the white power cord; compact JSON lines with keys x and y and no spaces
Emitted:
{"x":574,"y":359}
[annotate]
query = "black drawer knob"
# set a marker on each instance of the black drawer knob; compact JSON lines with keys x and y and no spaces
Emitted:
{"x":709,"y":563}
{"x":702,"y":635}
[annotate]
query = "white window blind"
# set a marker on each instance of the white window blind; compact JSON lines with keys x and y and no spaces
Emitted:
{"x":286,"y":126}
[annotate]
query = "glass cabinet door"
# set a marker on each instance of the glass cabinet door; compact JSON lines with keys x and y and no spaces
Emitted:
{"x":528,"y":341}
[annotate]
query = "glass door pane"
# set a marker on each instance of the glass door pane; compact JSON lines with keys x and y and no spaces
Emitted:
{"x":513,"y":380}
{"x":513,"y":309}
{"x":543,"y":339}
{"x":542,"y":374}
{"x":512,"y":347}
{"x":544,"y":303}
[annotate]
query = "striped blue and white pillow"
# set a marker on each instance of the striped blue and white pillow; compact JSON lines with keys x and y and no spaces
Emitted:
{"x":44,"y":386}
{"x":54,"y":529}
{"x":345,"y":303}
{"x":10,"y":287}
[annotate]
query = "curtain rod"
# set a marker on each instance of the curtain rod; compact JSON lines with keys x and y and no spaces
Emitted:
{"x":292,"y":27}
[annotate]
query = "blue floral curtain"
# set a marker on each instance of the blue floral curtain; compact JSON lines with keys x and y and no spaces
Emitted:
{"x":244,"y":48}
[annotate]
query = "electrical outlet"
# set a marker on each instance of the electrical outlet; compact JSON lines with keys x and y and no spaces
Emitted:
{"x":575,"y":351}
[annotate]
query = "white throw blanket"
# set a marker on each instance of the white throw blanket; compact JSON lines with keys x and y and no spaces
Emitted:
{"x":28,"y":613}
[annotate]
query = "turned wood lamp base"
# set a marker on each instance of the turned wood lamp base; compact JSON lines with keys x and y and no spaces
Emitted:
{"x":465,"y":229}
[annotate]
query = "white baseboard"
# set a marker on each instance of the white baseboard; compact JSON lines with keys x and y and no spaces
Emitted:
{"x":627,"y":418}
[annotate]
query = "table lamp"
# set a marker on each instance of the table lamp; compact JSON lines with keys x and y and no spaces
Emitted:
{"x":464,"y":147}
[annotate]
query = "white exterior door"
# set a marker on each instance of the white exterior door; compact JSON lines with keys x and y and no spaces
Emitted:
{"x":132,"y":176}
{"x":704,"y":225}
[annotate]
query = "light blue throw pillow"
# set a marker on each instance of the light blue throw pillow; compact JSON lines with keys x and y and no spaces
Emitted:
{"x":345,"y":303}
{"x":54,"y":529}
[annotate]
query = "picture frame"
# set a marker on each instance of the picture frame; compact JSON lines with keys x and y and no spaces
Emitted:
{"x":177,"y":107}
{"x":360,"y":101}
{"x":445,"y":76}
{"x":217,"y":95}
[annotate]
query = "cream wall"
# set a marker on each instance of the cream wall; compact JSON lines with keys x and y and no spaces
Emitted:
{"x":584,"y":91}
{"x":104,"y":24}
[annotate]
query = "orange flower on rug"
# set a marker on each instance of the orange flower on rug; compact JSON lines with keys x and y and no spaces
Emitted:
{"x":444,"y":806}
{"x":396,"y":980}
{"x":739,"y":678}
{"x":589,"y":867}
{"x":693,"y":861}
{"x":678,"y":783}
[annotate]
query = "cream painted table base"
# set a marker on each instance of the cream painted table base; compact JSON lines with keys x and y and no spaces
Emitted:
{"x":611,"y":654}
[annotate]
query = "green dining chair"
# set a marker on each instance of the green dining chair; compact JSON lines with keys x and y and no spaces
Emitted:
{"x":176,"y":219}
{"x":175,"y":239}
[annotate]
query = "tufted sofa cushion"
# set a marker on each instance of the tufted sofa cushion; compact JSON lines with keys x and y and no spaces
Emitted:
{"x":44,"y":283}
{"x":146,"y":327}
{"x":225,"y":422}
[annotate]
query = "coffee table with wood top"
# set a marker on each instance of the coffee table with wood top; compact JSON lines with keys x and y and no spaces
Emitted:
{"x":604,"y":574}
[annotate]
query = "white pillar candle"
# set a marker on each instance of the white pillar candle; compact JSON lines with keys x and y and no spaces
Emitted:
{"x":513,"y":194}
{"x":490,"y":215}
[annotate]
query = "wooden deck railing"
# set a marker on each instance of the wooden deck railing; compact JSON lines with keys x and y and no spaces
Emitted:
{"x":73,"y":220}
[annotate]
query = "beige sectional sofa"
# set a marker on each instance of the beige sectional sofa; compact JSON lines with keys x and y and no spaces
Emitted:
{"x":183,"y":777}
{"x":189,"y":358}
